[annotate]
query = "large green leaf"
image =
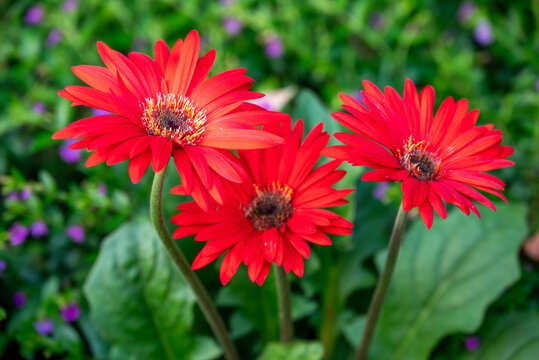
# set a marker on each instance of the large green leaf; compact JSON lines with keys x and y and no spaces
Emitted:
{"x":515,"y":337}
{"x":140,"y":303}
{"x":298,"y":350}
{"x":445,"y":278}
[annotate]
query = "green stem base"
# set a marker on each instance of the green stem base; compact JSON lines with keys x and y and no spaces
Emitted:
{"x":286,"y":328}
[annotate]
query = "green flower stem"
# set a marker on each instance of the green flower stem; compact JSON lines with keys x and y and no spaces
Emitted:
{"x":203,"y":299}
{"x":383,"y":284}
{"x":286,"y":328}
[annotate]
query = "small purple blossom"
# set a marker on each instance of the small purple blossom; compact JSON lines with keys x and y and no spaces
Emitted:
{"x":25,"y":193}
{"x":377,"y":21}
{"x":537,"y":84}
{"x":70,"y":5}
{"x":34,"y":15}
{"x":53,"y":38}
{"x":3,"y":267}
{"x":102,"y":189}
{"x":39,"y":228}
{"x":357,"y":95}
{"x":76,"y":233}
{"x":274,"y":47}
{"x":45,"y":327}
{"x":471,"y":343}
{"x":12,"y":196}
{"x":466,"y":10}
{"x":483,"y":33}
{"x":99,"y":112}
{"x":17,"y":233}
{"x":266,"y":104}
{"x":138,"y":45}
{"x":379,"y":191}
{"x":232,"y":25}
{"x":19,"y":299}
{"x":68,"y":155}
{"x":70,"y":312}
{"x":39,"y":108}
{"x":227,"y":3}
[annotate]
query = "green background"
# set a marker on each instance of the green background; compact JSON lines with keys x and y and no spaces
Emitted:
{"x":328,"y":47}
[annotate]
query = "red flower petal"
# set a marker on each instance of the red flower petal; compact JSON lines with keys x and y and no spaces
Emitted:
{"x":425,"y":210}
{"x":240,"y":139}
{"x":270,"y":238}
{"x":231,"y":263}
{"x":138,"y":166}
{"x":161,"y":151}
{"x":161,"y":54}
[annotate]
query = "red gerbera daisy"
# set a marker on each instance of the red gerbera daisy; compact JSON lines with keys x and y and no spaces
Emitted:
{"x":165,"y":107}
{"x":436,"y":158}
{"x":272,"y":216}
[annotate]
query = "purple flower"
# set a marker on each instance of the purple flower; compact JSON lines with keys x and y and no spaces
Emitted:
{"x":39,"y":108}
{"x":34,"y":15}
{"x":357,"y":95}
{"x":76,"y":233}
{"x":466,"y":11}
{"x":45,"y":327}
{"x":139,"y":44}
{"x":25,"y":193}
{"x":53,"y":38}
{"x":12,"y":196}
{"x":19,"y":299}
{"x":537,"y":84}
{"x":227,"y":3}
{"x":377,"y":21}
{"x":3,"y":267}
{"x":274,"y":47}
{"x":70,"y":312}
{"x":471,"y":343}
{"x":483,"y":33}
{"x":39,"y":229}
{"x":70,"y":5}
{"x":17,"y":234}
{"x":232,"y":25}
{"x":68,"y":155}
{"x":102,"y":189}
{"x":379,"y":191}
{"x":266,"y":104}
{"x":99,"y":112}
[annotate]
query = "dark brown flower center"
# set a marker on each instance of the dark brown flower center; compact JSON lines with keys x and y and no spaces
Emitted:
{"x":167,"y":118}
{"x":271,"y":207}
{"x":174,"y":117}
{"x":422,"y":164}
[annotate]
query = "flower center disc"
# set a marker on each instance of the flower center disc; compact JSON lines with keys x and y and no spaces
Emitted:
{"x":174,"y":117}
{"x":422,"y":164}
{"x":270,"y":208}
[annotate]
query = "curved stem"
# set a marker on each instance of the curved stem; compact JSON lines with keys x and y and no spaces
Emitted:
{"x":383,"y":284}
{"x":286,"y":328}
{"x":203,"y":299}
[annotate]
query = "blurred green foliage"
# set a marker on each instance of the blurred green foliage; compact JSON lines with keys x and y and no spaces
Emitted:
{"x":329,"y":46}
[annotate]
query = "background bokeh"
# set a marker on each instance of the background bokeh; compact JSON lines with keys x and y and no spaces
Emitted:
{"x":55,"y":212}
